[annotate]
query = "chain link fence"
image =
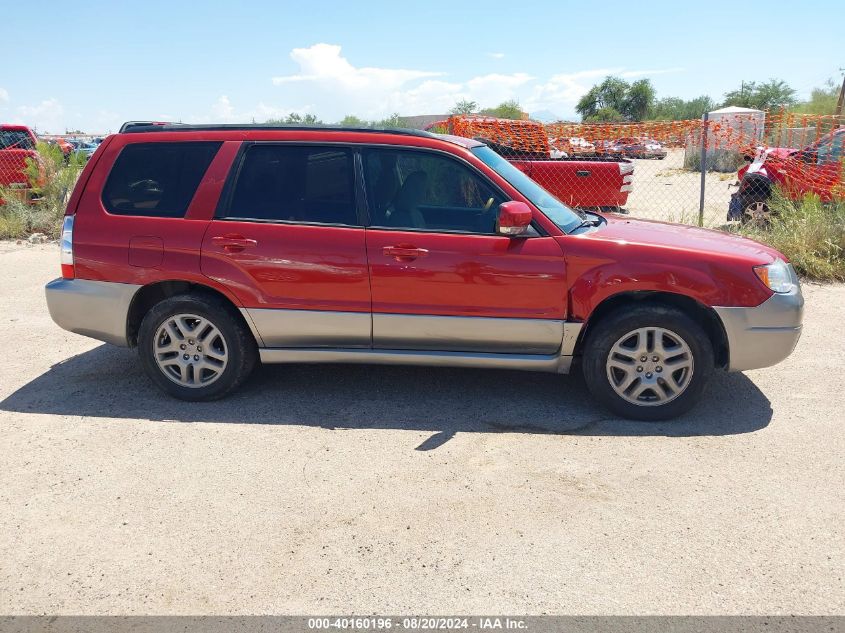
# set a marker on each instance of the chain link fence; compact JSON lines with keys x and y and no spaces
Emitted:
{"x":36,"y":178}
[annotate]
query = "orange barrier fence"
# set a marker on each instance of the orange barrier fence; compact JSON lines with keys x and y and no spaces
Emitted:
{"x":673,"y":170}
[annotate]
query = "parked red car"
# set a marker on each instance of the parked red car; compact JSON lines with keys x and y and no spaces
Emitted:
{"x":209,"y":248}
{"x":818,"y":169}
{"x":17,"y":144}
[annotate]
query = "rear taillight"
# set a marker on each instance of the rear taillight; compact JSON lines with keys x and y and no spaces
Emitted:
{"x":627,"y":171}
{"x":66,"y":248}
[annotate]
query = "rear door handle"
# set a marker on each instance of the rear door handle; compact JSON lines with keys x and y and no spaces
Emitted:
{"x":404,"y":253}
{"x":233,"y":243}
{"x":583,"y":173}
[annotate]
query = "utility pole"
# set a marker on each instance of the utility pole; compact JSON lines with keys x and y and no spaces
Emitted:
{"x":840,"y":104}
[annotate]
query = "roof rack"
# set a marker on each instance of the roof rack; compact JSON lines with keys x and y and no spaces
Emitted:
{"x":140,"y":127}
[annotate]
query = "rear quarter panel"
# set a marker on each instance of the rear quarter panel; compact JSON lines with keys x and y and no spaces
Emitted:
{"x":101,"y":241}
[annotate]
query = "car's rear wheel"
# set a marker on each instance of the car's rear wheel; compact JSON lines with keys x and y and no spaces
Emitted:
{"x":194,"y":347}
{"x":756,"y":212}
{"x":649,"y":362}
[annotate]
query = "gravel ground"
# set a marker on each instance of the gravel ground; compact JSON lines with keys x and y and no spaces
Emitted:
{"x":663,"y":190}
{"x":399,"y":490}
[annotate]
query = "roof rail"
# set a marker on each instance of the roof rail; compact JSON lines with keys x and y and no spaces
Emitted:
{"x":131,"y":125}
{"x":138,"y":127}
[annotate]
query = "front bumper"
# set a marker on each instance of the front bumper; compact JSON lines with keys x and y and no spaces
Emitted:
{"x":764,"y":335}
{"x":92,"y":308}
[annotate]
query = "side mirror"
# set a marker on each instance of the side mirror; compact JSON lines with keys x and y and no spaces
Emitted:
{"x":514,"y":218}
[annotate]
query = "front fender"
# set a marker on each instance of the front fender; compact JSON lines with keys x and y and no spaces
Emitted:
{"x":707,"y":286}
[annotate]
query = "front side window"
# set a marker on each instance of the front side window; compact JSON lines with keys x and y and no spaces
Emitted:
{"x":289,"y":183}
{"x":409,"y":189}
{"x":157,"y":179}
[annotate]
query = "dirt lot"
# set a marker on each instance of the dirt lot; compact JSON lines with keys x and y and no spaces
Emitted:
{"x":663,"y":190}
{"x":374,"y":489}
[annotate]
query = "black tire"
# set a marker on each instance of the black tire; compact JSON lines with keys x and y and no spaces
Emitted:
{"x":238,"y":340}
{"x":602,"y":338}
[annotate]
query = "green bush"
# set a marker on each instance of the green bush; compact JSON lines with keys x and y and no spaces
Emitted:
{"x":51,"y":180}
{"x":809,"y":232}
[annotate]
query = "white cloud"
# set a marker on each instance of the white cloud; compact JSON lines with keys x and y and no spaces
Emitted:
{"x":323,"y":63}
{"x":4,"y":95}
{"x":495,"y":88}
{"x":561,"y":92}
{"x":47,"y":116}
{"x":337,"y":87}
{"x":327,"y":78}
{"x":224,"y":111}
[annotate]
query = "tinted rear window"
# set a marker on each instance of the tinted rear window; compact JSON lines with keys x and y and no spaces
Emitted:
{"x":285,"y":183}
{"x":157,"y":179}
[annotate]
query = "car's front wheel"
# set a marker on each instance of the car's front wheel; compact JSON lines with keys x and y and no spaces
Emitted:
{"x":194,"y":347}
{"x":649,"y":362}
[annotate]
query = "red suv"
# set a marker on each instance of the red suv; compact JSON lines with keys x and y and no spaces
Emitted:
{"x":212,"y":247}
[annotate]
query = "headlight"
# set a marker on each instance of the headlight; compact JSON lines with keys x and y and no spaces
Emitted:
{"x":777,"y":276}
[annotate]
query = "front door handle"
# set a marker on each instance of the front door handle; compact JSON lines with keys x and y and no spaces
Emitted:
{"x":583,"y":173}
{"x":233,"y":243}
{"x":404,"y":253}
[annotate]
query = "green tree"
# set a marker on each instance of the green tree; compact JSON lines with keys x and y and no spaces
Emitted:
{"x":615,"y":97}
{"x":822,"y":100}
{"x":605,"y":115}
{"x":350,"y":120}
{"x":638,"y":100}
{"x":394,"y":120}
{"x":677,"y":109}
{"x":464,"y":106}
{"x":294,"y":118}
{"x":506,"y":110}
{"x":771,"y":94}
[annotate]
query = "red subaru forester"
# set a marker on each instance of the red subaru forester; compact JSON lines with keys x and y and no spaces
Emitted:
{"x":212,"y":247}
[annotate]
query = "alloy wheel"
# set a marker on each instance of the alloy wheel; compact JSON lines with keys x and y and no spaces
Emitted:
{"x":649,"y":366}
{"x":190,"y":350}
{"x":757,"y":214}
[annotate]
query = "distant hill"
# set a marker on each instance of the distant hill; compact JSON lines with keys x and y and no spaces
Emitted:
{"x":546,"y":116}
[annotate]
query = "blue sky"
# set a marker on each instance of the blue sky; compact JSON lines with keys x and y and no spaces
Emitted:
{"x":92,"y":65}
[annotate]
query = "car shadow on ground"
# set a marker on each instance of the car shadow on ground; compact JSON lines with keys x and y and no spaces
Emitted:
{"x":107,"y":382}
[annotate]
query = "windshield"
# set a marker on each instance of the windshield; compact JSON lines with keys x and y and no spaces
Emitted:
{"x":553,"y":208}
{"x":15,"y":139}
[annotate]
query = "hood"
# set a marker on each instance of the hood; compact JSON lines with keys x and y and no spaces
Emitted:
{"x":685,"y":238}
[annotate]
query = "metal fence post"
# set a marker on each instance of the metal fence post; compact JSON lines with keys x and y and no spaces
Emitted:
{"x":703,"y":167}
